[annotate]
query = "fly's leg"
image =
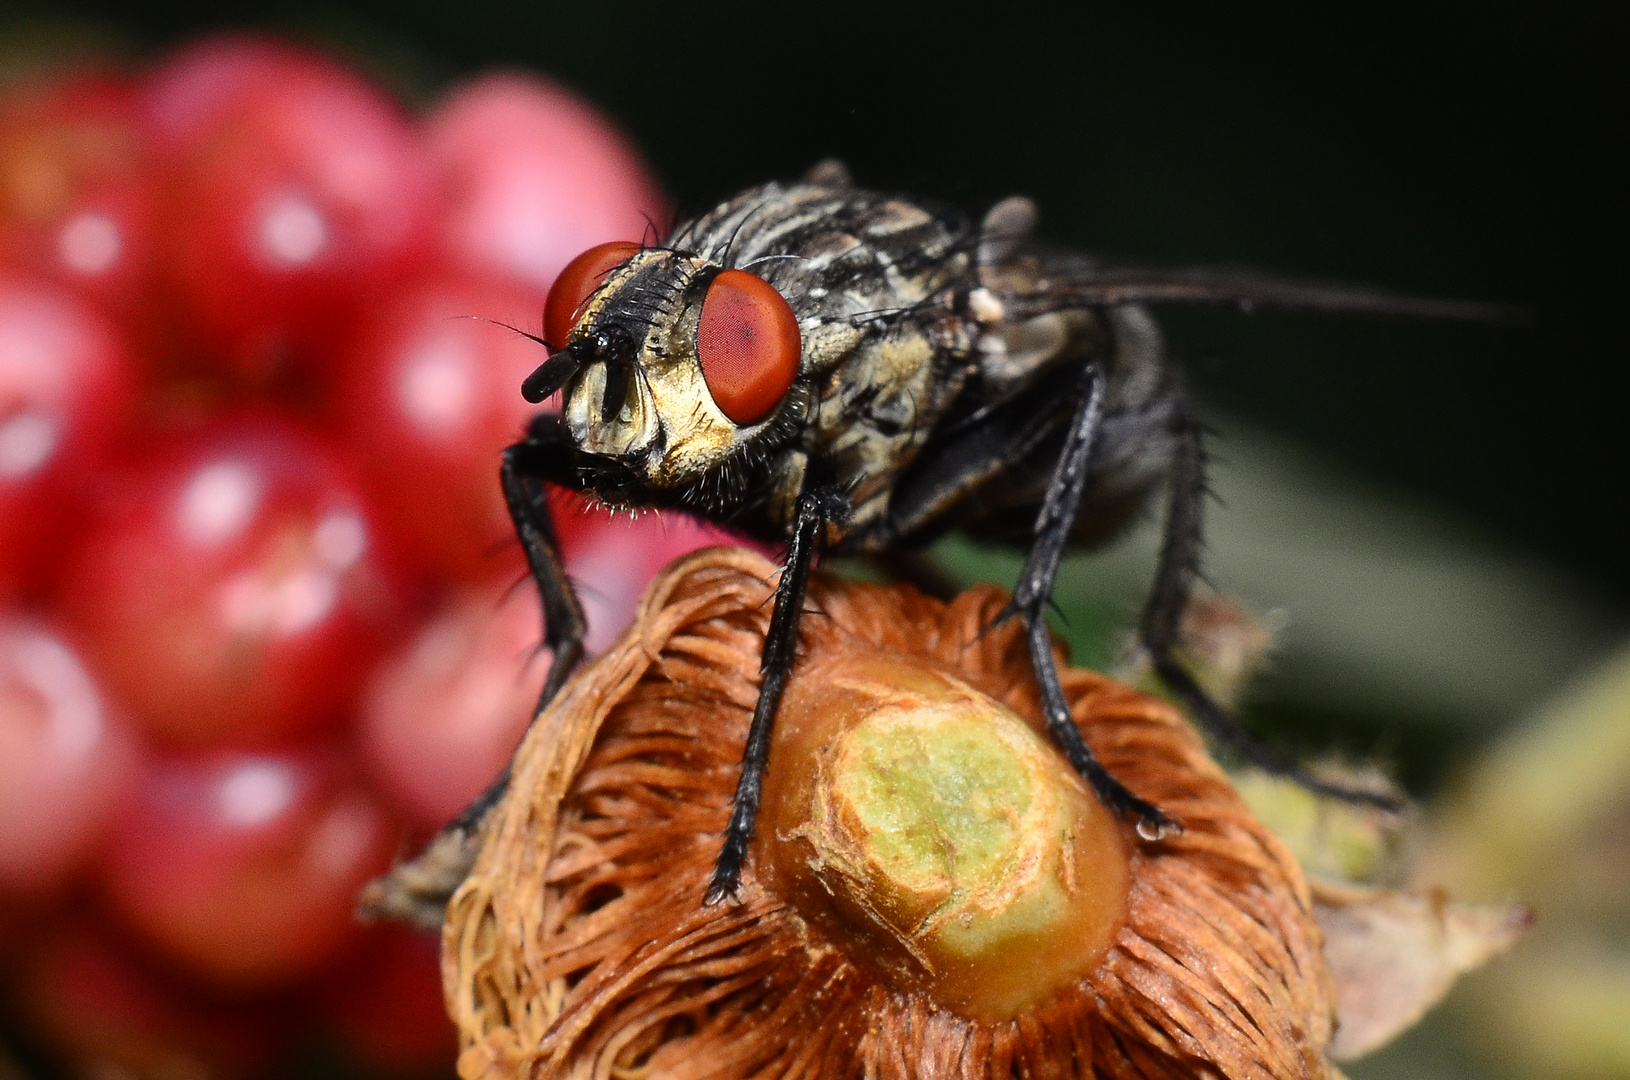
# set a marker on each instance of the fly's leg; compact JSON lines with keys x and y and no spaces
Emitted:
{"x":418,"y":890}
{"x":815,"y":509}
{"x":545,"y":456}
{"x":1035,"y":589}
{"x":1162,"y":620}
{"x":524,"y":468}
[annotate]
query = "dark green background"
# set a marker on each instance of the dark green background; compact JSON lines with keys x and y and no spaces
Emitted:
{"x":1462,"y":149}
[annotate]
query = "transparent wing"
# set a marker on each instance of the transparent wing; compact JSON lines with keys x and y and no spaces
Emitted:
{"x":1061,"y":280}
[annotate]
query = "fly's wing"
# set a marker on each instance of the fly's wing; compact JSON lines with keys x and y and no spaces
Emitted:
{"x":1077,"y":281}
{"x":1033,"y":279}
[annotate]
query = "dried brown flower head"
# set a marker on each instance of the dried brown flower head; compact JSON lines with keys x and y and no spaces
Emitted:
{"x":931,"y":892}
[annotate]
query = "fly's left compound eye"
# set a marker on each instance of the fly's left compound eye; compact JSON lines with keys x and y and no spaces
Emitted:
{"x":748,"y":343}
{"x":577,"y":283}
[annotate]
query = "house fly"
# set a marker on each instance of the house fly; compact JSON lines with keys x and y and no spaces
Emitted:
{"x":848,"y":372}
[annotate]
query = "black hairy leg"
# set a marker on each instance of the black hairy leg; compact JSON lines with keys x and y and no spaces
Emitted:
{"x":1035,"y":589}
{"x":419,"y":890}
{"x":544,"y":456}
{"x":816,"y":508}
{"x":1162,"y":621}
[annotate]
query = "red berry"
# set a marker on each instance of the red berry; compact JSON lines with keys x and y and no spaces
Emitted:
{"x":293,"y":192}
{"x":429,"y":397}
{"x":234,"y":590}
{"x":386,"y":1005}
{"x":105,"y":1011}
{"x":65,"y":388}
{"x":76,"y":190}
{"x":195,"y":86}
{"x":536,"y":176}
{"x":244,"y":868}
{"x":613,"y":558}
{"x":64,"y":762}
{"x":443,"y":716}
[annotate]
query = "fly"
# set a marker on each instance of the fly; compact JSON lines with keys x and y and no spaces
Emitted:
{"x":848,"y":372}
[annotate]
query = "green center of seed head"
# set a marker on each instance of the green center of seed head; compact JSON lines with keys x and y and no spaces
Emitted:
{"x":943,"y":799}
{"x":930,"y":829}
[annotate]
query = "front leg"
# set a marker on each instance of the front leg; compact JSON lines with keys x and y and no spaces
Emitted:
{"x":418,"y":890}
{"x":1035,"y":590}
{"x":815,"y":509}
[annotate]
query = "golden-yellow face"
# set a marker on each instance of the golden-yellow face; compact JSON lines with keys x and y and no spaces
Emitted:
{"x":681,"y":362}
{"x":668,"y":427}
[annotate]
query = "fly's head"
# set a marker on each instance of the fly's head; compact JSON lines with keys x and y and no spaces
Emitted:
{"x":669,"y":364}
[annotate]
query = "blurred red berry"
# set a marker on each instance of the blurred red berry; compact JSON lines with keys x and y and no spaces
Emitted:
{"x":536,"y":176}
{"x":612,"y":558}
{"x":442,"y":717}
{"x":429,"y":396}
{"x":76,"y":190}
{"x":64,"y":762}
{"x":66,"y":386}
{"x":109,"y":1013}
{"x":195,"y":86}
{"x":244,"y":868}
{"x":293,"y":190}
{"x":233,"y":590}
{"x":385,"y":1005}
{"x":238,"y":589}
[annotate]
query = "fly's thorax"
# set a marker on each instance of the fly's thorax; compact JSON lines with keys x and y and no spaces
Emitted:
{"x":881,"y":406}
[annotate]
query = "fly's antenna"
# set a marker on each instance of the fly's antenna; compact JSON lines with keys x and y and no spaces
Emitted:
{"x":551,"y":375}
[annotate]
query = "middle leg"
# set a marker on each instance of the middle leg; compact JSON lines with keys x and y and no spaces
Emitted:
{"x":1035,"y":589}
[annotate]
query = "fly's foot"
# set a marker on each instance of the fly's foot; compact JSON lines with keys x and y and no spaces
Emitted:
{"x":1155,"y":826}
{"x":727,"y":871}
{"x":1152,"y":823}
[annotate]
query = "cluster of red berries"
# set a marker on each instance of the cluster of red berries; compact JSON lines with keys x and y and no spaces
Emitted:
{"x":258,"y":626}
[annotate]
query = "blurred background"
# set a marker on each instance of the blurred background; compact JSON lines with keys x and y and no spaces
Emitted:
{"x":204,"y":752}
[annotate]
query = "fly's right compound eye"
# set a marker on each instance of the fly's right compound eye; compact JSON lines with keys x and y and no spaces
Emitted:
{"x":748,"y":343}
{"x":577,"y":283}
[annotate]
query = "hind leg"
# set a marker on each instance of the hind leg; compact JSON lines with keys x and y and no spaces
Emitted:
{"x":1162,"y":619}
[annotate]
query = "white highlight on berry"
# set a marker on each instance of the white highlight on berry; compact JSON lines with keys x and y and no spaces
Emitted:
{"x":218,"y":502}
{"x":434,"y":390}
{"x":69,"y":710}
{"x":256,"y":792}
{"x":89,"y":243}
{"x":27,"y":441}
{"x":342,"y":837}
{"x":256,"y":604}
{"x":340,"y":539}
{"x":292,"y":232}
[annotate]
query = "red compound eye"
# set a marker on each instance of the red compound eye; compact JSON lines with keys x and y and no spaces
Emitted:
{"x":748,"y":343}
{"x":577,"y":283}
